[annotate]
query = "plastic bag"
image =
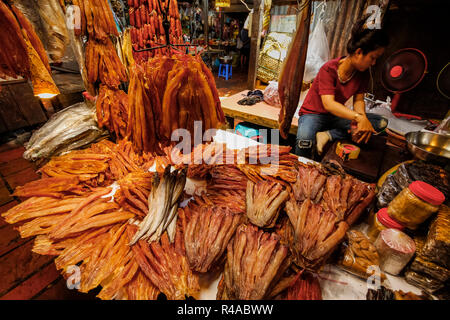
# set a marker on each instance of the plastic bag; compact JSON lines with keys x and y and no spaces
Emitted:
{"x":358,"y":255}
{"x":271,"y":95}
{"x":388,"y":191}
{"x":437,"y":245}
{"x":318,"y":52}
{"x":422,"y":281}
{"x":66,"y":130}
{"x":444,"y":127}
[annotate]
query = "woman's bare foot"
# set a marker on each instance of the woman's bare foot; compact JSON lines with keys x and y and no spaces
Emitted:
{"x":321,"y":140}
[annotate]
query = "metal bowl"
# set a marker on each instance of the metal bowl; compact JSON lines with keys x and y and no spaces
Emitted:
{"x":429,"y":146}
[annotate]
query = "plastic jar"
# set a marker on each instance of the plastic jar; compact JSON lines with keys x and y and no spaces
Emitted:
{"x":415,"y":204}
{"x":382,"y":221}
{"x":395,"y":249}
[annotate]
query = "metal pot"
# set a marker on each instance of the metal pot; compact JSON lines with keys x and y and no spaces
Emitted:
{"x":429,"y":146}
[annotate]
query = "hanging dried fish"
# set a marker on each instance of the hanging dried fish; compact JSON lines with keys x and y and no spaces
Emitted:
{"x":291,"y":78}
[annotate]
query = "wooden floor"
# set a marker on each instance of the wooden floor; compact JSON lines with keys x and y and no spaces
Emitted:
{"x":24,"y":274}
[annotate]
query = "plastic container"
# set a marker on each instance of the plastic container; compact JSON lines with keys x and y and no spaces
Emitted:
{"x":415,"y":204}
{"x":382,"y":221}
{"x":395,"y":249}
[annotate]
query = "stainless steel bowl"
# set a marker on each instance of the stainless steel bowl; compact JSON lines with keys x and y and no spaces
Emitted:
{"x":429,"y":146}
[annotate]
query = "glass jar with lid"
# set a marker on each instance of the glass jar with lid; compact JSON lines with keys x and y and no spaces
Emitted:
{"x":381,"y":221}
{"x":415,"y":204}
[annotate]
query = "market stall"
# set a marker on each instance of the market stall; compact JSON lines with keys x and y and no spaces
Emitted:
{"x":139,"y":192}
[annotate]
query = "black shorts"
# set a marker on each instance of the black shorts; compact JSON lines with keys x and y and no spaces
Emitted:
{"x":245,"y":51}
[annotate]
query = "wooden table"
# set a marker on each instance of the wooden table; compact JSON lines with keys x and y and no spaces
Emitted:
{"x":260,"y":113}
{"x":367,"y":166}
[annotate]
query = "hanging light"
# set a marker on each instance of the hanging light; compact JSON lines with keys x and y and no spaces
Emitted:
{"x":43,"y":85}
{"x":44,"y":89}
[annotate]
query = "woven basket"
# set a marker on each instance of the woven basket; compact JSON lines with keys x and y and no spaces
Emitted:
{"x":269,"y":68}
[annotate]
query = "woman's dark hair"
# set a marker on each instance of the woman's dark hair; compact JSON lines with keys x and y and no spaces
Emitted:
{"x":366,"y":39}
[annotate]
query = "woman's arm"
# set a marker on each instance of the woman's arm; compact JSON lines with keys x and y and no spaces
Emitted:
{"x":364,"y":129}
{"x":338,"y":109}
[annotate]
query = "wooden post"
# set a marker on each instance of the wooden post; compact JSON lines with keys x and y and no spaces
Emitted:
{"x":258,"y":11}
{"x":205,"y":22}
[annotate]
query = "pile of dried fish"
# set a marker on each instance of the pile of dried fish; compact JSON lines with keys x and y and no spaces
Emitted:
{"x":255,"y":262}
{"x":264,"y":201}
{"x":101,"y":209}
{"x":71,"y":128}
{"x":90,"y":168}
{"x":14,"y":53}
{"x":227,"y":177}
{"x":97,"y":19}
{"x":57,"y":187}
{"x":314,"y":233}
{"x":163,"y":206}
{"x":170,"y":93}
{"x":134,"y":192}
{"x":112,"y":110}
{"x":309,"y":184}
{"x":207,"y":231}
{"x":305,"y":287}
{"x":103,"y":64}
{"x":166,"y":265}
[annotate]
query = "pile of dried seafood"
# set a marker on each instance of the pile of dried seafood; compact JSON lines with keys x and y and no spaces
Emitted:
{"x":267,"y":231}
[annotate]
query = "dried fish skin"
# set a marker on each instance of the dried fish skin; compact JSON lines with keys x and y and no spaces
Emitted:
{"x":255,"y":262}
{"x":314,"y":233}
{"x":264,"y":200}
{"x":207,"y":232}
{"x":309,"y":183}
{"x":166,"y":265}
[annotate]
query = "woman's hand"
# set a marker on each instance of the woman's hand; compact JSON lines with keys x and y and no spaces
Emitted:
{"x":364,"y":129}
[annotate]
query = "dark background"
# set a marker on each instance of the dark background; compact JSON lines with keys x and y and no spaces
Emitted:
{"x":424,"y":25}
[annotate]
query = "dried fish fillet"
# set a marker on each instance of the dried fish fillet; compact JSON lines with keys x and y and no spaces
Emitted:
{"x":207,"y":232}
{"x":163,"y":205}
{"x":264,"y":201}
{"x":255,"y":262}
{"x":314,"y":233}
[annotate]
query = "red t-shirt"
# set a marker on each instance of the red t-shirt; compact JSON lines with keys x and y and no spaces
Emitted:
{"x":327,"y":82}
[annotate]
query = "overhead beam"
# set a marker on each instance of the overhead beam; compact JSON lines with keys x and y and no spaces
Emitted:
{"x":205,"y":22}
{"x":255,"y":42}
